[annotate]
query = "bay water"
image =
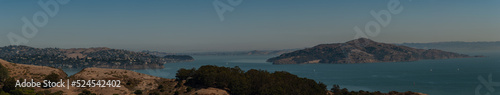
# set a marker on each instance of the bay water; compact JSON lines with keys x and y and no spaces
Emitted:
{"x":434,"y":77}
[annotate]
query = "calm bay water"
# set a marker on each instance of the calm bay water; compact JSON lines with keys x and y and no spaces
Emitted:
{"x":434,"y":77}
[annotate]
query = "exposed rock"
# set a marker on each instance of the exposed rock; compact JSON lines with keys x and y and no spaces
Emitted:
{"x":210,"y":91}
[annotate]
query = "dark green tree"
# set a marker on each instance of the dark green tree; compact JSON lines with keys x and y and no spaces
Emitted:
{"x":183,"y":74}
{"x":160,"y":87}
{"x":9,"y":85}
{"x":252,"y":82}
{"x":138,"y":92}
{"x":335,"y":88}
{"x":53,"y":77}
{"x":86,"y":92}
{"x":4,"y":73}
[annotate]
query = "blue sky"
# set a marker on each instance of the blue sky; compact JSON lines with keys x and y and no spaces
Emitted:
{"x":194,"y":26}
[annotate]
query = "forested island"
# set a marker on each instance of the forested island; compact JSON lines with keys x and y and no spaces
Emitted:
{"x":361,"y":50}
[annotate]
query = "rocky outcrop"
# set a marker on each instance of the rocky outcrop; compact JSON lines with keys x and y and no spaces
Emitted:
{"x":360,"y":50}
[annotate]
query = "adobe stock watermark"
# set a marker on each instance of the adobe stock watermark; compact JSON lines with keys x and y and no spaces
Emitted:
{"x":488,"y":84}
{"x":221,"y":7}
{"x":50,"y":8}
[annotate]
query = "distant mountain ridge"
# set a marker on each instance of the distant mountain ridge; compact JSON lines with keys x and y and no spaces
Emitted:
{"x":457,"y":46}
{"x":228,"y":53}
{"x":360,"y":50}
{"x":85,"y":57}
{"x":253,"y":52}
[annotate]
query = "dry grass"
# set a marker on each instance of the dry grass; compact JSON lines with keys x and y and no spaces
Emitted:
{"x":136,"y":81}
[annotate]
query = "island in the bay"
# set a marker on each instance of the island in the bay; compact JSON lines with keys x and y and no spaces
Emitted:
{"x":101,"y":57}
{"x":361,"y":50}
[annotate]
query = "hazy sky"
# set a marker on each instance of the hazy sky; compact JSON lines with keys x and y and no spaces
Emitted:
{"x":194,"y":25}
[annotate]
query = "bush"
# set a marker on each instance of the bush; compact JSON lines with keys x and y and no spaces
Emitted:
{"x":176,"y":93}
{"x":188,"y":89}
{"x":23,"y":91}
{"x":183,"y":74}
{"x":160,"y":87}
{"x":154,"y":93}
{"x":9,"y":85}
{"x":138,"y":92}
{"x":52,"y":77}
{"x":4,"y":73}
{"x":162,"y":90}
{"x":86,"y":92}
{"x":4,"y":93}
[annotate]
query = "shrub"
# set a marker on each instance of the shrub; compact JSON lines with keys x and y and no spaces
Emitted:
{"x":4,"y":73}
{"x":188,"y":89}
{"x":86,"y":92}
{"x":160,"y":87}
{"x":176,"y":93}
{"x":183,"y":74}
{"x":138,"y":92}
{"x":154,"y":93}
{"x":9,"y":85}
{"x":52,"y":77}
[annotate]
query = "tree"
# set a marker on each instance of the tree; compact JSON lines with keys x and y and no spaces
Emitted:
{"x":86,"y":92}
{"x":335,"y":89}
{"x":344,"y":91}
{"x":138,"y":92}
{"x":183,"y":74}
{"x":9,"y":85}
{"x":4,"y":73}
{"x":252,"y":82}
{"x":53,"y":77}
{"x":160,"y":87}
